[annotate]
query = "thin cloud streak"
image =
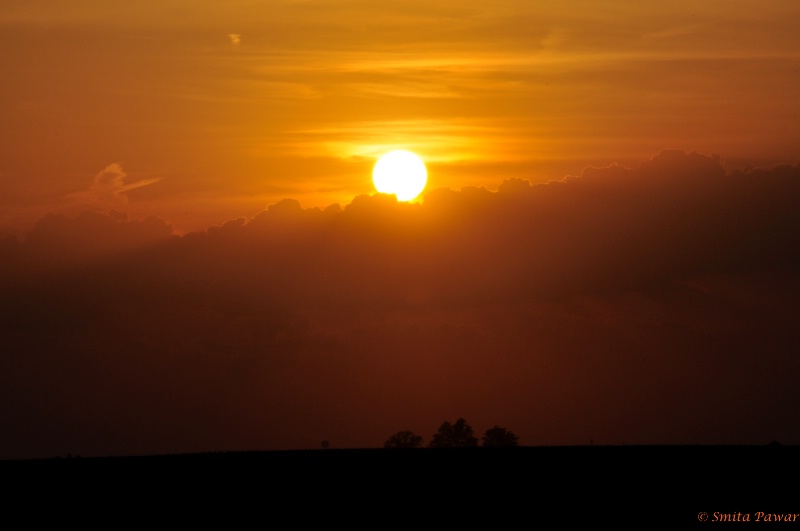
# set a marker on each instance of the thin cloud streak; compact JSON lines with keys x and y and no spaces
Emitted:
{"x":109,"y":189}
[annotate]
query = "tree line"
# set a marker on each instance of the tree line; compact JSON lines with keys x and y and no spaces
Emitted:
{"x":457,"y":435}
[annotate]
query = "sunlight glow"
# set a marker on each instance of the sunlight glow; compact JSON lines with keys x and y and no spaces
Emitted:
{"x":401,"y":173}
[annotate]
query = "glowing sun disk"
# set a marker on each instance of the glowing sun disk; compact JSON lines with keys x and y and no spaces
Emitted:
{"x":401,"y":173}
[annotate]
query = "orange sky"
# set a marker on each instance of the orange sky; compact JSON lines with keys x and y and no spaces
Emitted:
{"x":209,"y":111}
{"x":192,"y":256}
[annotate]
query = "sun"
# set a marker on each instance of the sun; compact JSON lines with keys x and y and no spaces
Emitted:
{"x":401,"y":173}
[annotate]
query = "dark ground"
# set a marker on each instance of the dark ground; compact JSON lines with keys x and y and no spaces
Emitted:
{"x":630,"y":487}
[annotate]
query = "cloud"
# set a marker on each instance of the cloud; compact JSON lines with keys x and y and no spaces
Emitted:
{"x":58,"y":242}
{"x":612,"y":228}
{"x":109,"y":188}
{"x":654,"y":304}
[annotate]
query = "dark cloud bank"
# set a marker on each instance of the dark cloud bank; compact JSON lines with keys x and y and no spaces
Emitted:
{"x":655,"y":305}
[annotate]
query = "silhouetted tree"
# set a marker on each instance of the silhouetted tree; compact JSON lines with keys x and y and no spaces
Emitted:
{"x":403,"y":439}
{"x":497,"y":437}
{"x":458,"y":435}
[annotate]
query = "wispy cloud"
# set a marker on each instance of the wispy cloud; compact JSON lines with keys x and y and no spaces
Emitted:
{"x":109,"y":188}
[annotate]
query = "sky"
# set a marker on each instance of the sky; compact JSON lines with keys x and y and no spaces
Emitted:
{"x":212,"y":111}
{"x":193,"y":257}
